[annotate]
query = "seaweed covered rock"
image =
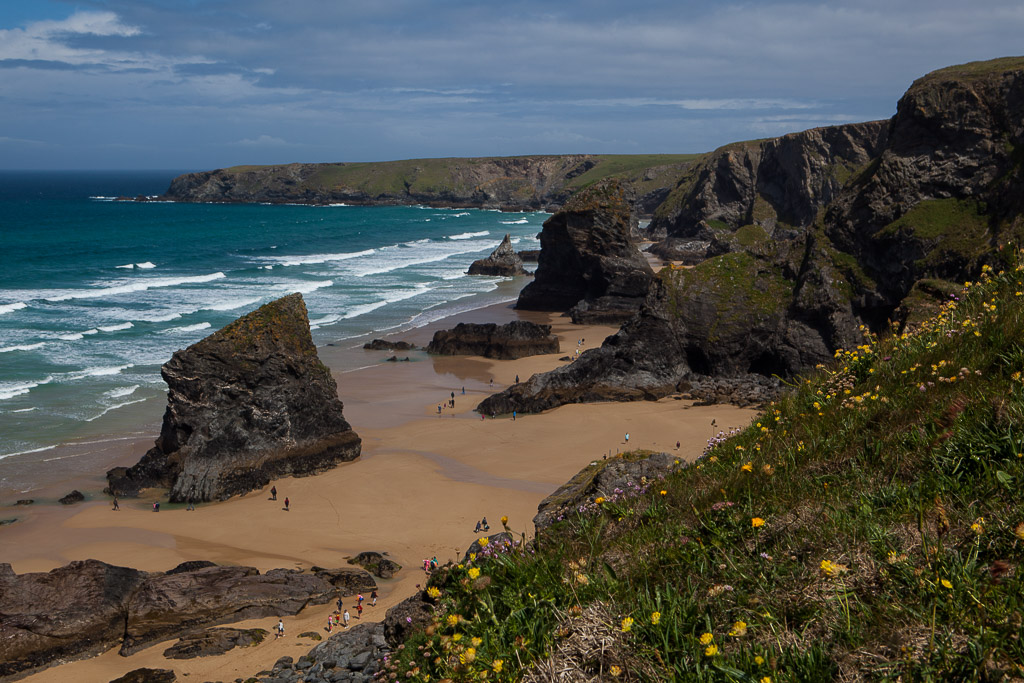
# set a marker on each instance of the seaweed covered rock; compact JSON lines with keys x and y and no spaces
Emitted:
{"x":517,"y":339}
{"x":589,"y":264}
{"x":248,"y":403}
{"x":214,"y":641}
{"x":503,"y":261}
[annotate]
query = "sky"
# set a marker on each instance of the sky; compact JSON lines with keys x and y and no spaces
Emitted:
{"x":203,"y":84}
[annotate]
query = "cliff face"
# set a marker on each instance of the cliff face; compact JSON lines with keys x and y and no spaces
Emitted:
{"x":528,"y":183}
{"x":588,"y":262}
{"x":248,"y":403}
{"x":775,"y":184}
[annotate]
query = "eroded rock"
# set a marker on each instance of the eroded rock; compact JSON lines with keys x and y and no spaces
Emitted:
{"x":516,"y":339}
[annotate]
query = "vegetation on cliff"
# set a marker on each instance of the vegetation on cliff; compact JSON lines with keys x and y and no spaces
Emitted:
{"x":868,"y":526}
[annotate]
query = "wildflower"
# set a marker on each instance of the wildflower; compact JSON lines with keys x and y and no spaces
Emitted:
{"x":718,"y":589}
{"x":946,"y":584}
{"x":627,"y":624}
{"x":829,"y":568}
{"x":470,"y":655}
{"x":476,"y":641}
{"x":456,"y":637}
{"x":749,"y":467}
{"x":434,"y":592}
{"x":483,"y":541}
{"x":757,"y":522}
{"x":739,"y":629}
{"x":655,"y":618}
{"x":1018,"y":531}
{"x":599,"y":500}
{"x":453,"y":619}
{"x":978,"y":527}
{"x":615,"y":670}
{"x":581,"y":578}
{"x":707,"y":638}
{"x":895,"y":558}
{"x":472,"y":557}
{"x":474,"y":572}
{"x":766,"y":679}
{"x":664,"y":492}
{"x":759,"y":660}
{"x":768,"y":470}
{"x":711,"y":650}
{"x":497,"y":665}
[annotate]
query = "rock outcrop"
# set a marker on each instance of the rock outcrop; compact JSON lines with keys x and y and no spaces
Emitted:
{"x":511,"y":183}
{"x":249,"y":403}
{"x":378,"y":565}
{"x":214,"y":641}
{"x":354,"y":655}
{"x":72,"y":498}
{"x":384,"y":345}
{"x":589,"y":264}
{"x":516,"y":339}
{"x":88,"y":607}
{"x":503,"y":261}
{"x":146,"y":675}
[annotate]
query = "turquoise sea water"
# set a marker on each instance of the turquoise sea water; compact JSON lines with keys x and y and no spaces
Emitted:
{"x":96,"y":294}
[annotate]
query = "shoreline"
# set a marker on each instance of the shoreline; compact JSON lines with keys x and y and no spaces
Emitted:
{"x":415,"y":492}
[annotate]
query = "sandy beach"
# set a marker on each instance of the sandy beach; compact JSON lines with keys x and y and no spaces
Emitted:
{"x":422,"y":482}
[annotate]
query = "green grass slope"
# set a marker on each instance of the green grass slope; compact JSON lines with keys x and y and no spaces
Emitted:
{"x":868,"y":526}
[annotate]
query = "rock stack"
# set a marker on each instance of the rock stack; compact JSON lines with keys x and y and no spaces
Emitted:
{"x":503,"y":261}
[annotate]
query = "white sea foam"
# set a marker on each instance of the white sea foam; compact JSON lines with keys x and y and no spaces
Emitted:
{"x":521,"y":221}
{"x":114,"y":407}
{"x":127,"y":265}
{"x":101,"y":198}
{"x":25,"y":410}
{"x":10,"y":308}
{"x":461,"y":213}
{"x":9,"y":390}
{"x":313,"y":259}
{"x":469,"y":235}
{"x":99,"y":371}
{"x":161,"y":316}
{"x":140,"y":285}
{"x":231,"y":304}
{"x":34,"y":450}
{"x":22,"y":347}
{"x":394,"y":297}
{"x":115,"y":328}
{"x":394,"y":258}
{"x":187,"y":328}
{"x":326,"y":320}
{"x":146,"y":265}
{"x":121,"y":392}
{"x":303,"y":287}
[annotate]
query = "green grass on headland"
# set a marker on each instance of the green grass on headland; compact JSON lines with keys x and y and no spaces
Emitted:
{"x":868,"y":526}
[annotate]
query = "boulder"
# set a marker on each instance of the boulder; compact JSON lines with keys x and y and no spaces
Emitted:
{"x":503,"y":261}
{"x":87,"y":607}
{"x":347,"y":580}
{"x":147,"y":676}
{"x":516,"y":339}
{"x":529,"y":255}
{"x":25,"y":501}
{"x":376,"y":564}
{"x":72,"y":498}
{"x":250,"y":403}
{"x":214,"y":641}
{"x":407,"y":617}
{"x":499,"y":542}
{"x":589,"y":264}
{"x":383,"y":345}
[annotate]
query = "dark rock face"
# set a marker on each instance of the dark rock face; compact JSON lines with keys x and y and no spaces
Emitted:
{"x":589,"y":264}
{"x":407,"y":617}
{"x":383,"y":345}
{"x":72,"y":498}
{"x":601,"y":478}
{"x":529,"y":255}
{"x":248,"y":403}
{"x":147,"y":676}
{"x":87,"y":607}
{"x":503,"y":261}
{"x":347,"y":580}
{"x":516,"y":339}
{"x":214,"y":641}
{"x":25,"y":501}
{"x":352,"y":655}
{"x":495,"y":543}
{"x":377,"y":564}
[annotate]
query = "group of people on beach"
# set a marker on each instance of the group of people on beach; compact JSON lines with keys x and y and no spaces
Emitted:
{"x":340,"y":617}
{"x":482,"y":525}
{"x":273,"y":496}
{"x":430,"y":565}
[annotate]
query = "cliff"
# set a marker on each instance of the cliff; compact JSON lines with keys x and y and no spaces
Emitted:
{"x":248,"y":403}
{"x":511,"y":183}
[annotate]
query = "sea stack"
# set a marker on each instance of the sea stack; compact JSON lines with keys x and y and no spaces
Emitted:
{"x":588,"y":262}
{"x":248,"y":403}
{"x":503,"y":261}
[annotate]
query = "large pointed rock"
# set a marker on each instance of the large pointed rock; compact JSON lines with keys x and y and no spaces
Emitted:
{"x":249,"y":403}
{"x":503,"y":261}
{"x":588,"y":262}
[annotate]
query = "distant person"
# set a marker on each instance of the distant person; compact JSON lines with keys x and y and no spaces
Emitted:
{"x":439,"y":409}
{"x":345,"y":618}
{"x":156,"y":506}
{"x":359,"y":611}
{"x":373,"y":598}
{"x":677,"y":445}
{"x":359,"y":599}
{"x":280,"y":628}
{"x":340,"y":604}
{"x":484,"y":524}
{"x":273,"y":493}
{"x":191,"y":506}
{"x":492,"y":382}
{"x":116,"y":506}
{"x":517,"y":379}
{"x":477,"y":529}
{"x":627,"y":437}
{"x":330,"y":622}
{"x":463,"y":391}
{"x":453,"y":395}
{"x":286,"y":503}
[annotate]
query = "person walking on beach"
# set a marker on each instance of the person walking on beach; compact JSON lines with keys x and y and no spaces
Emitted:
{"x":273,"y":493}
{"x":116,"y":505}
{"x":280,"y":629}
{"x":439,"y":410}
{"x":330,"y":622}
{"x":373,"y":598}
{"x":286,"y":503}
{"x":191,"y":506}
{"x":627,"y":437}
{"x":517,"y":379}
{"x":513,"y":416}
{"x":345,"y":618}
{"x":359,"y":611}
{"x":156,"y":506}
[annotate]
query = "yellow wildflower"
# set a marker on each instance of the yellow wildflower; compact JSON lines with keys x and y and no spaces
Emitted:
{"x":766,"y":679}
{"x":483,"y":541}
{"x":456,"y":637}
{"x":655,"y":618}
{"x":581,"y":578}
{"x":1018,"y":531}
{"x":749,"y":467}
{"x":453,"y":620}
{"x":470,"y":655}
{"x":615,"y":670}
{"x":474,"y":572}
{"x":472,"y":557}
{"x":599,"y":500}
{"x":664,"y":492}
{"x":756,"y":522}
{"x":978,"y":526}
{"x":759,"y":660}
{"x":711,"y":650}
{"x":829,"y":568}
{"x":627,"y":624}
{"x":707,"y":638}
{"x":434,"y":592}
{"x":946,"y":584}
{"x":476,"y":641}
{"x":739,"y":629}
{"x":497,"y":665}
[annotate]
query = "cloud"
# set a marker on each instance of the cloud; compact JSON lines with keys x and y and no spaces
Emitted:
{"x":48,"y":41}
{"x":262,"y":141}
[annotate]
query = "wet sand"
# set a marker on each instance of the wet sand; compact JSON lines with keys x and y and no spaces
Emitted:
{"x":417,"y":491}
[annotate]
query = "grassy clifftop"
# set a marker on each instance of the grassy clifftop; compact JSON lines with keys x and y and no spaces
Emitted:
{"x":868,"y":526}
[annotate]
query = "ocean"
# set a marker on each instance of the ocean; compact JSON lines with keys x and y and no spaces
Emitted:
{"x":96,"y":294}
